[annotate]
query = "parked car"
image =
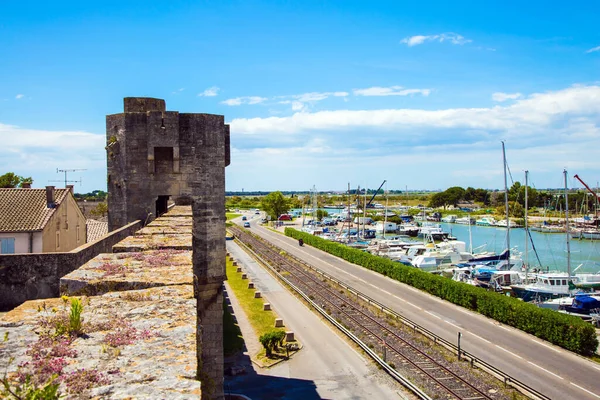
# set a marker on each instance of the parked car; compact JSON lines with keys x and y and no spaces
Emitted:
{"x":285,"y":217}
{"x":246,"y":224}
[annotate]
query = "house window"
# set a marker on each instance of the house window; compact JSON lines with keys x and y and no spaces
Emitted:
{"x":57,"y":240}
{"x":7,"y":245}
{"x":77,"y":230}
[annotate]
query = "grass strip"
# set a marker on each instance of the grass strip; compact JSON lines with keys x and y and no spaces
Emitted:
{"x":261,"y":321}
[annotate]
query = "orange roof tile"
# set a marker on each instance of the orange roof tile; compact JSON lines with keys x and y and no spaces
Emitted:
{"x":95,"y":229}
{"x":25,"y":210}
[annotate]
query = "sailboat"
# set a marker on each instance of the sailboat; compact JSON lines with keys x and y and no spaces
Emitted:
{"x":551,"y":285}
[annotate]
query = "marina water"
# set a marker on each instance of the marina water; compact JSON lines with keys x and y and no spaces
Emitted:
{"x":551,"y":248}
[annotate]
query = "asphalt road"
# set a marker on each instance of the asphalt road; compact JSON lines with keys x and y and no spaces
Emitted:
{"x":326,"y":368}
{"x":557,"y":373}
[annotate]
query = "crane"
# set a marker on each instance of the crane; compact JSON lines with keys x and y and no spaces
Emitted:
{"x":375,"y":194}
{"x":587,"y":187}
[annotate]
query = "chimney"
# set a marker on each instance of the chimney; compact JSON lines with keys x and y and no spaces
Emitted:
{"x":50,"y":201}
{"x":26,"y":185}
{"x":70,"y":187}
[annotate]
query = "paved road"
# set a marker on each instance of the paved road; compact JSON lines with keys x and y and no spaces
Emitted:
{"x":326,"y":368}
{"x":557,"y":373}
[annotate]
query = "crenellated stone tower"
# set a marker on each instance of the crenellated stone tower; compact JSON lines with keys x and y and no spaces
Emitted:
{"x":154,"y":155}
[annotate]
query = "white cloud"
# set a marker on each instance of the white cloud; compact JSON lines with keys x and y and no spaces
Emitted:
{"x":21,"y":138}
{"x":499,"y":96}
{"x":210,"y":92}
{"x":297,"y":105}
{"x":389,"y":91}
{"x":244,"y":100}
{"x":597,"y":48}
{"x":453,"y":38}
{"x":298,"y":101}
{"x":19,"y":96}
{"x":526,"y":116}
{"x":37,"y":153}
{"x":178,"y":91}
{"x":544,"y":133}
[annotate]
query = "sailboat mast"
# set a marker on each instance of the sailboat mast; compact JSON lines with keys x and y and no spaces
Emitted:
{"x":386,"y":208}
{"x":567,"y":229}
{"x":526,"y":228}
{"x":506,"y":200}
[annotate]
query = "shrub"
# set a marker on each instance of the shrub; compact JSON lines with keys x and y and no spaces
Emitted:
{"x":272,"y":340}
{"x":566,"y":331}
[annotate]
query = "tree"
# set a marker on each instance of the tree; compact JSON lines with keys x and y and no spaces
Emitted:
{"x":11,"y":180}
{"x":275,"y":204}
{"x":100,"y":210}
{"x":321,"y":214}
{"x":438,"y":200}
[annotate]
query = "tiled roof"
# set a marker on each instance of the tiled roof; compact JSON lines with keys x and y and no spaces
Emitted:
{"x":95,"y":229}
{"x":25,"y":210}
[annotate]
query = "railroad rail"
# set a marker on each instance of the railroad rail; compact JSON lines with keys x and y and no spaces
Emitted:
{"x":399,"y":349}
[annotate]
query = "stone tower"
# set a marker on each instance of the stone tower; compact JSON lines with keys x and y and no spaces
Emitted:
{"x":154,"y":155}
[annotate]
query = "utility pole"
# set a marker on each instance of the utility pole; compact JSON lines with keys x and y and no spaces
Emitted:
{"x":66,"y":171}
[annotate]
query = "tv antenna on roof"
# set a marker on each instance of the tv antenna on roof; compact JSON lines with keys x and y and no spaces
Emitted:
{"x":66,"y":171}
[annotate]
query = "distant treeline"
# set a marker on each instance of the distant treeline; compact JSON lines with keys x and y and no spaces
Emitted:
{"x":96,"y":195}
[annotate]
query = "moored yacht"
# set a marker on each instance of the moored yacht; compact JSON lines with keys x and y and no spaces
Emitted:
{"x":486,"y":221}
{"x":547,"y":286}
{"x":465,"y":221}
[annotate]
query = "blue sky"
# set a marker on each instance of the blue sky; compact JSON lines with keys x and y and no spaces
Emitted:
{"x":317,"y":93}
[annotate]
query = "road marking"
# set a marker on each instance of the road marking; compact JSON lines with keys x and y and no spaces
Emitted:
{"x":545,"y":370}
{"x":585,"y":390}
{"x":454,"y":325}
{"x":509,"y":352}
{"x":551,"y":348}
{"x":596,"y":367}
{"x":478,"y":337}
{"x":353,"y":276}
{"x":433,"y":315}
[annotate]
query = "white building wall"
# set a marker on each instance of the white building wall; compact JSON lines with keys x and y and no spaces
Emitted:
{"x":22,"y":241}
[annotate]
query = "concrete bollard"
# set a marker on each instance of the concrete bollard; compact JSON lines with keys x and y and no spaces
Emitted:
{"x":289,"y":336}
{"x":239,"y":269}
{"x":230,"y":258}
{"x":266,"y":306}
{"x":244,"y":276}
{"x":235,"y":263}
{"x":278,"y":323}
{"x":230,"y":308}
{"x":250,"y":285}
{"x":257,"y":295}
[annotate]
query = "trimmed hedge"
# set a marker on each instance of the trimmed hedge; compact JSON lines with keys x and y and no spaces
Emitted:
{"x":563,"y":330}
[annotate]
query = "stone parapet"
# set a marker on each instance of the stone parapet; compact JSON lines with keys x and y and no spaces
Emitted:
{"x":129,"y":271}
{"x":36,"y":276}
{"x":159,"y":361}
{"x":153,"y":242}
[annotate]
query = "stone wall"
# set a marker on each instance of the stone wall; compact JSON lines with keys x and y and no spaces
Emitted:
{"x":36,"y":276}
{"x":152,"y":156}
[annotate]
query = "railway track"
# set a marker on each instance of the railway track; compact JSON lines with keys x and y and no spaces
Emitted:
{"x":409,"y":354}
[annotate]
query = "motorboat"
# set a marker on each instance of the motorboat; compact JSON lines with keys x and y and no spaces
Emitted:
{"x":449,"y":218}
{"x":486,"y":221}
{"x":503,"y":223}
{"x":546,"y":286}
{"x":465,"y":221}
{"x":434,"y":232}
